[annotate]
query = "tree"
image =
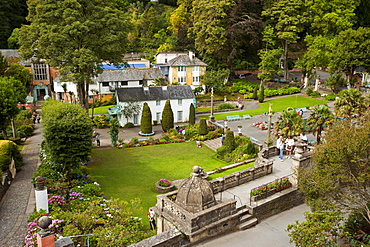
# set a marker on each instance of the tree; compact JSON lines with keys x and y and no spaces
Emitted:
{"x":350,"y":104}
{"x":67,"y":131}
{"x":339,"y":177}
{"x":320,"y":117}
{"x":215,"y":79}
{"x":261,"y":95}
{"x":321,"y":228}
{"x":335,"y":81}
{"x":21,"y":74}
{"x":13,"y":40}
{"x":191,"y":114}
{"x":255,"y":93}
{"x":130,"y":109}
{"x":146,"y":120}
{"x":289,"y":123}
{"x":75,"y":36}
{"x":113,"y":130}
{"x":229,"y":141}
{"x":203,"y":128}
{"x":9,"y":101}
{"x":167,"y":117}
{"x":209,"y":29}
{"x":3,"y":64}
{"x":94,"y":91}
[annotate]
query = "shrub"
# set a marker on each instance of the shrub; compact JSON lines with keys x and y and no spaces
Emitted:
{"x":255,"y":93}
{"x":309,"y":91}
{"x":330,"y":97}
{"x":146,"y":119}
{"x":100,"y":121}
{"x":203,"y":129}
{"x":24,"y":114}
{"x":155,"y":122}
{"x":8,"y":150}
{"x":25,"y":130}
{"x":164,"y":182}
{"x":229,"y":141}
{"x":192,"y":114}
{"x":315,"y":94}
{"x":129,"y":125}
{"x":225,"y":106}
{"x":261,"y":95}
{"x":167,"y":117}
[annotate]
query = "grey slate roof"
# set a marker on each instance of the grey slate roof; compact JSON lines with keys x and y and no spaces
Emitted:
{"x":154,"y":93}
{"x":185,"y":60}
{"x":129,"y":74}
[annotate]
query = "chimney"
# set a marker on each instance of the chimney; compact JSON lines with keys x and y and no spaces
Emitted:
{"x":191,"y":55}
{"x":164,"y":88}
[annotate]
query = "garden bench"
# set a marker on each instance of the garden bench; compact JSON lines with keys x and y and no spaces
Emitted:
{"x":253,"y":139}
{"x":142,"y":139}
{"x":247,"y":116}
{"x":233,"y":117}
{"x":219,"y":125}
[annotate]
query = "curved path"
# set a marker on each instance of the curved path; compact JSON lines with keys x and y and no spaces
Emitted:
{"x":19,"y":201}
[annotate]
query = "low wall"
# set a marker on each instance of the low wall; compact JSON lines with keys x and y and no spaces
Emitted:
{"x":165,"y":239}
{"x":6,"y":181}
{"x":275,"y":204}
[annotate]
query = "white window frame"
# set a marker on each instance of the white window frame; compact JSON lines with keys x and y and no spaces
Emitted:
{"x":158,"y":116}
{"x":136,"y":119}
{"x":180,"y":116}
{"x":181,"y":69}
{"x":157,"y":102}
{"x":179,"y":102}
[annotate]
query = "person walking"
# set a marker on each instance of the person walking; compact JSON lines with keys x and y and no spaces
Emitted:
{"x":98,"y":140}
{"x":280,"y":147}
{"x":151,"y":216}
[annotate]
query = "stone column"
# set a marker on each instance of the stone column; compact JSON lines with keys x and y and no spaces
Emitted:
{"x":41,"y":194}
{"x":45,"y":238}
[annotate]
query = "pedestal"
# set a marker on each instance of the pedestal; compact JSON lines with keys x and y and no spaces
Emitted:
{"x":46,"y":241}
{"x":42,"y":200}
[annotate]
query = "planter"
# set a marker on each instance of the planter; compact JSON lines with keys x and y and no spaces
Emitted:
{"x":263,"y":196}
{"x":283,"y":187}
{"x":162,"y":189}
{"x":40,"y":185}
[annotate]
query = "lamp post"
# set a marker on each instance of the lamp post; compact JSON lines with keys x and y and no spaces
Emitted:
{"x":212,"y":118}
{"x":269,"y":126}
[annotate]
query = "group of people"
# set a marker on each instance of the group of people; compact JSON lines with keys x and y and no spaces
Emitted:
{"x":96,"y":136}
{"x":288,"y":145}
{"x":36,"y":117}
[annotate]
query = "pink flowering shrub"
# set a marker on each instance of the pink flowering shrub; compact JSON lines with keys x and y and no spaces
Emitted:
{"x":33,"y":229}
{"x":164,"y":182}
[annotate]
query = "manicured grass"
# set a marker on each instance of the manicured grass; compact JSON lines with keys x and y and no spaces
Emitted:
{"x":280,"y":104}
{"x":132,"y":173}
{"x":230,"y":171}
{"x":100,"y":110}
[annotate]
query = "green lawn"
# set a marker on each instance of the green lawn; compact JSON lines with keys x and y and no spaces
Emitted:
{"x":279,"y":104}
{"x":132,"y":173}
{"x":100,"y":110}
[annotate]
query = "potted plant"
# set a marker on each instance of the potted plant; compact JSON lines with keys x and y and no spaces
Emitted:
{"x":164,"y":186}
{"x":40,"y":183}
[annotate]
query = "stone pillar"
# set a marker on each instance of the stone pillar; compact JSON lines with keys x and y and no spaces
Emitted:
{"x":41,"y":194}
{"x":45,"y":238}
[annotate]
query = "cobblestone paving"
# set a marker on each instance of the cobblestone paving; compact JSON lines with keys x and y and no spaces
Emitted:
{"x":18,"y":202}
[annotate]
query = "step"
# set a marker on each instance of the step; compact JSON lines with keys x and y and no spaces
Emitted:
{"x":245,"y":218}
{"x":248,"y":224}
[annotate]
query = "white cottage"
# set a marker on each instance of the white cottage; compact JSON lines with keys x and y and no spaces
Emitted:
{"x":180,"y":97}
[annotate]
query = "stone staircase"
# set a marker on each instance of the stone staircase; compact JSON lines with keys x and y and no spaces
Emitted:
{"x":246,"y":220}
{"x":213,"y":144}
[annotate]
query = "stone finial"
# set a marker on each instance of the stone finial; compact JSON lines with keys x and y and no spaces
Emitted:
{"x":195,"y":171}
{"x":44,"y":223}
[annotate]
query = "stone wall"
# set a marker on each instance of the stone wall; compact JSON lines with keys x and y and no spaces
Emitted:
{"x":6,"y":181}
{"x":275,"y":204}
{"x":171,"y":238}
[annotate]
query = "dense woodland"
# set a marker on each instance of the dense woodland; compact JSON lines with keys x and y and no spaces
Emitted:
{"x":240,"y":34}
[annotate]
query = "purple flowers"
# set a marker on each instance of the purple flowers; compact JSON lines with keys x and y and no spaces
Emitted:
{"x":164,"y":182}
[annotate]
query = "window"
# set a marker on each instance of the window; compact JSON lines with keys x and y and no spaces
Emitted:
{"x":158,"y":117}
{"x":40,"y":72}
{"x":181,"y":68}
{"x":136,"y":119}
{"x":179,"y":101}
{"x":165,"y":60}
{"x":196,"y":80}
{"x":179,"y":116}
{"x":196,"y":69}
{"x":182,"y":79}
{"x":141,"y":82}
{"x":105,"y":84}
{"x":124,"y":83}
{"x":157,"y":102}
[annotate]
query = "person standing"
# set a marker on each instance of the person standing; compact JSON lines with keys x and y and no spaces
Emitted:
{"x":98,"y":140}
{"x":151,"y":216}
{"x":289,"y":146}
{"x":280,"y":147}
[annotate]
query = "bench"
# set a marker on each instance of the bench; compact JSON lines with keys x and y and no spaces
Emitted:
{"x":253,"y":139}
{"x":304,"y":109}
{"x":247,"y":116}
{"x":233,"y":117}
{"x":143,"y":139}
{"x":219,"y":125}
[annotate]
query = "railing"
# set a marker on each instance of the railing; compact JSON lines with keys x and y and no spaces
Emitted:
{"x":84,"y":235}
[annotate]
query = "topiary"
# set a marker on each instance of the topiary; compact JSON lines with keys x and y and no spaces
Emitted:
{"x":225,"y":106}
{"x":167,"y":117}
{"x":146,"y":119}
{"x":203,"y":129}
{"x":192,"y":114}
{"x":261,"y":95}
{"x":129,"y":125}
{"x":255,"y":95}
{"x":229,"y":141}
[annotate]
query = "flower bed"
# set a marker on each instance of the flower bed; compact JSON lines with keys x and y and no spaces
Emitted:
{"x":266,"y":190}
{"x":164,"y":186}
{"x":261,"y":125}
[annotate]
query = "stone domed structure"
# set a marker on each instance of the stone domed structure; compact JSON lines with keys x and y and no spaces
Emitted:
{"x":195,"y":193}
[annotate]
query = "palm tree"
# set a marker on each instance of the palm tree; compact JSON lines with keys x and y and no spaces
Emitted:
{"x":289,"y":123}
{"x":320,"y":117}
{"x":350,"y":104}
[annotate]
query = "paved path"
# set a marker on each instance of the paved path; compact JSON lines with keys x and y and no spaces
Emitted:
{"x":18,"y":203}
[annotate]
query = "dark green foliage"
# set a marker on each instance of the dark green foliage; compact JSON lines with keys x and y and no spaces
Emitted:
{"x":167,"y":117}
{"x":24,"y":114}
{"x":113,"y":130}
{"x":261,"y":95}
{"x":203,"y":128}
{"x":146,"y":119}
{"x":192,"y":114}
{"x":255,"y":95}
{"x":9,"y":150}
{"x":67,"y":133}
{"x":229,"y":140}
{"x":129,"y":125}
{"x":225,"y":106}
{"x":309,"y":91}
{"x":25,"y":130}
{"x":330,"y":97}
{"x":243,"y":85}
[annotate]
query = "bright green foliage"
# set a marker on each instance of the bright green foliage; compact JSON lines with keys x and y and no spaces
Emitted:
{"x":215,"y":79}
{"x":229,"y":141}
{"x":350,"y":104}
{"x":209,"y":28}
{"x":289,"y":123}
{"x":191,"y":114}
{"x":319,"y":119}
{"x":269,"y":64}
{"x":261,"y":94}
{"x":113,"y":130}
{"x":23,"y":75}
{"x":321,"y":228}
{"x":13,"y":39}
{"x":340,"y":174}
{"x":146,"y":119}
{"x":76,"y":36}
{"x":67,"y":133}
{"x":225,"y":106}
{"x":167,"y":117}
{"x":203,"y":128}
{"x":9,"y":101}
{"x":335,"y":81}
{"x":350,"y":49}
{"x":3,"y":64}
{"x":8,"y":151}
